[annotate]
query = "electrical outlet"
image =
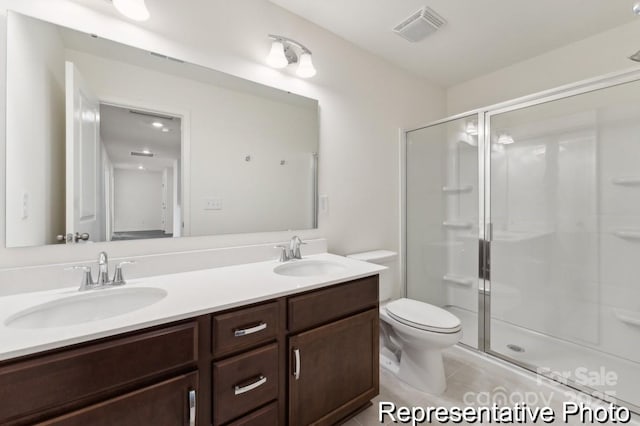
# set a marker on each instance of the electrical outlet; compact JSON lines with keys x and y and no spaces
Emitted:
{"x":324,"y":204}
{"x":213,"y":204}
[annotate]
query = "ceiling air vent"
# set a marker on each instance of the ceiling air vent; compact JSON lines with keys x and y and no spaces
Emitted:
{"x":419,"y":25}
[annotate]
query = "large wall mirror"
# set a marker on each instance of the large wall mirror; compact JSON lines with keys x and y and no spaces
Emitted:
{"x":108,"y":142}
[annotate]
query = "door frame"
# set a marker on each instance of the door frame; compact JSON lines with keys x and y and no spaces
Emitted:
{"x":185,"y":151}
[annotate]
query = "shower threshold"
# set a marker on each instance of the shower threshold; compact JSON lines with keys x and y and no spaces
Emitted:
{"x":545,"y":353}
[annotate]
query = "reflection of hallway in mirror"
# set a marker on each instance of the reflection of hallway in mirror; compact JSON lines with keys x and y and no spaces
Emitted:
{"x":143,"y":151}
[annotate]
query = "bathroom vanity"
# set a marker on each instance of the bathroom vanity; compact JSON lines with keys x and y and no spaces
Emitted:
{"x":308,"y":356}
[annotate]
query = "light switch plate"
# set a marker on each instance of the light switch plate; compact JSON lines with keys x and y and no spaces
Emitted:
{"x":213,"y":203}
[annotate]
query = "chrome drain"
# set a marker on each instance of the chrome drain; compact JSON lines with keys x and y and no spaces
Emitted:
{"x":515,"y":348}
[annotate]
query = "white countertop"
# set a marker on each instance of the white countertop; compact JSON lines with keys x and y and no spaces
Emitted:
{"x":189,"y":294}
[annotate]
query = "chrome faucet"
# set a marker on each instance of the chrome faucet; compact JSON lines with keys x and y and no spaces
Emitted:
{"x":292,"y":251}
{"x":103,"y":269}
{"x":294,"y":247}
{"x":87,"y":282}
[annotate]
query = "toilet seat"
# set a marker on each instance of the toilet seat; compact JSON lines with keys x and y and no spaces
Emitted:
{"x":423,"y":316}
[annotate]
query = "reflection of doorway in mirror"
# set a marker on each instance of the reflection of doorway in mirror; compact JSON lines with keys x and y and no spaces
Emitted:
{"x":143,"y":149}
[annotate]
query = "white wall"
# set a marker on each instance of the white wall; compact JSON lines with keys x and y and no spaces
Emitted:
{"x":35,"y":120}
{"x":137,"y":199}
{"x":225,"y":126}
{"x":597,"y":55}
{"x":363,"y":101}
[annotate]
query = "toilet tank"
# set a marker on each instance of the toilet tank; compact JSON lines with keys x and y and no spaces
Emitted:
{"x":389,"y":282}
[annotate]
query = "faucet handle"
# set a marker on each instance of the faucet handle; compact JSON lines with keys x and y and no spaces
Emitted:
{"x":87,"y":279}
{"x":296,"y":251}
{"x":118,"y":278}
{"x":284,"y":253}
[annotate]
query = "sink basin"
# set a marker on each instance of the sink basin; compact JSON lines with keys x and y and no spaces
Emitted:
{"x":81,"y":308}
{"x":307,"y":268}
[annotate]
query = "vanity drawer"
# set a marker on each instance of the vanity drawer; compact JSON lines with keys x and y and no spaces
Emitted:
{"x":266,"y":416}
{"x":77,"y":376}
{"x":244,"y":382}
{"x":321,"y":306}
{"x":242,"y":329}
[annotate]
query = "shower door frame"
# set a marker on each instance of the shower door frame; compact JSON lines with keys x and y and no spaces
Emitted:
{"x":484,"y":116}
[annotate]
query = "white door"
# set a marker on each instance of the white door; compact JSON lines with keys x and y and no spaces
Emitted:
{"x":83,"y":148}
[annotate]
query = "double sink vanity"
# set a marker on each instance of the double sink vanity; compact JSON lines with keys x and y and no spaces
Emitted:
{"x":266,"y":343}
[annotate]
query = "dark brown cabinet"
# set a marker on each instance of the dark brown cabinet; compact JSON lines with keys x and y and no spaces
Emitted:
{"x":309,"y":358}
{"x":169,"y":403}
{"x":334,"y":369}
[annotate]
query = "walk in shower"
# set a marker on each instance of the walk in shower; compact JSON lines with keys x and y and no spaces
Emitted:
{"x":523,"y":220}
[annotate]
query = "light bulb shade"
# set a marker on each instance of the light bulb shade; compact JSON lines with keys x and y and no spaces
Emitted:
{"x":276,"y":57}
{"x":305,"y":66}
{"x":132,"y":9}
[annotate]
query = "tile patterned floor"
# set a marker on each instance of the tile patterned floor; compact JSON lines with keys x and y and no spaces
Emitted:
{"x":475,"y":378}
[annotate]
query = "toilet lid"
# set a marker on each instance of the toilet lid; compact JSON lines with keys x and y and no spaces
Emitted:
{"x":423,"y":316}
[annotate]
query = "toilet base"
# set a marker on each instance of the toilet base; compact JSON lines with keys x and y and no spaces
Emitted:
{"x":423,"y":369}
{"x":389,"y":362}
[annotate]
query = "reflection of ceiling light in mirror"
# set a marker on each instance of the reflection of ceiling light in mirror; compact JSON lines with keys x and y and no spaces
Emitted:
{"x":140,"y":167}
{"x":505,"y":139}
{"x":146,"y":151}
{"x":636,"y":8}
{"x":165,"y":130}
{"x":132,"y":9}
{"x":157,"y":124}
{"x":471,"y":128}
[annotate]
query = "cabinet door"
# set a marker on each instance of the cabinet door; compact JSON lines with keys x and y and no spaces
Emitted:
{"x":170,"y":403}
{"x":334,"y":370}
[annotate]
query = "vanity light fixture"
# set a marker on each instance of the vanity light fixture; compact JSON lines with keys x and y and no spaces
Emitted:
{"x":283,"y":53}
{"x":132,"y":9}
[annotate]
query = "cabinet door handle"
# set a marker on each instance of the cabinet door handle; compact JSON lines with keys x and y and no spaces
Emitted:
{"x":192,"y":408}
{"x":260,"y":380}
{"x":296,"y":367}
{"x":244,"y":331}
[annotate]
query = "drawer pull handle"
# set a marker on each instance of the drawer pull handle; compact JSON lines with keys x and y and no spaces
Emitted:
{"x":192,"y":408}
{"x":296,"y":367}
{"x":260,"y":380}
{"x":244,"y":331}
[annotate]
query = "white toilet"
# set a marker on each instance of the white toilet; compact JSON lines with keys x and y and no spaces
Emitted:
{"x":413,"y":334}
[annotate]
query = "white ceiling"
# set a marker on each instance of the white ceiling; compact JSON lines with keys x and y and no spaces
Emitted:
{"x":123,"y":132}
{"x":480,"y":36}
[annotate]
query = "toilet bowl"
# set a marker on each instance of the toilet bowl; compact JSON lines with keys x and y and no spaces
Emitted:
{"x":421,"y":332}
{"x":413,"y":334}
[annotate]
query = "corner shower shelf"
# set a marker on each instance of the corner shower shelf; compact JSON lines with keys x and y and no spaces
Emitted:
{"x":458,"y":279}
{"x":627,"y":234}
{"x":626,"y":181}
{"x":452,"y":224}
{"x":457,"y":189}
{"x":628,"y":317}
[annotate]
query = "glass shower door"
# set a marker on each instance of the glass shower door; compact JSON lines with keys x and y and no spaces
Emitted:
{"x":442,"y":219}
{"x":565,"y":244}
